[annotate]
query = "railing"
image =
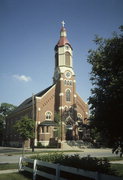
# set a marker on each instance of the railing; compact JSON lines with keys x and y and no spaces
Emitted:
{"x":58,"y":170}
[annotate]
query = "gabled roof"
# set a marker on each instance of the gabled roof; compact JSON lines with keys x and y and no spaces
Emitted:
{"x":28,"y":102}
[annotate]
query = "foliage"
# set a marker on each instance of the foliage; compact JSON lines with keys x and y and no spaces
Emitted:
{"x":1,"y":125}
{"x":118,"y":148}
{"x":25,"y":127}
{"x":96,"y":137}
{"x":86,"y":163}
{"x":57,"y":117}
{"x":39,"y":145}
{"x":118,"y":168}
{"x":6,"y":109}
{"x":114,"y":158}
{"x":106,"y":101}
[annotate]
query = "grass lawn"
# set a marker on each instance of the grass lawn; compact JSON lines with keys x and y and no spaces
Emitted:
{"x":118,"y":168}
{"x":14,"y":176}
{"x":19,"y":176}
{"x":114,"y":158}
{"x":8,"y":166}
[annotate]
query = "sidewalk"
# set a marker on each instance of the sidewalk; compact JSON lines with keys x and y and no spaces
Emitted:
{"x":8,"y":171}
{"x":117,"y":162}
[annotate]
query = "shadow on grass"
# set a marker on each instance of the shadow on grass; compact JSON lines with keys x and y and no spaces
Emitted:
{"x":14,"y":176}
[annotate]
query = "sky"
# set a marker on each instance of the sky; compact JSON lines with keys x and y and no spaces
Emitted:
{"x":29,"y":31}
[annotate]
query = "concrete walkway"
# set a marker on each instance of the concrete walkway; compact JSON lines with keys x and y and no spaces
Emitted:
{"x":117,"y":162}
{"x":8,"y":171}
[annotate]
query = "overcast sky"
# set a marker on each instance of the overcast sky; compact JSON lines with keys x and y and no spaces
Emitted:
{"x":29,"y":31}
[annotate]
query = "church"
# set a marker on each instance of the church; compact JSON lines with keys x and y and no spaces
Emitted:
{"x":60,"y":99}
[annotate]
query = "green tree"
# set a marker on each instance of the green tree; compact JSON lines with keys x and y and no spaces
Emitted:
{"x":25,"y":128}
{"x":106,"y":101}
{"x":1,"y":128}
{"x":5,"y":110}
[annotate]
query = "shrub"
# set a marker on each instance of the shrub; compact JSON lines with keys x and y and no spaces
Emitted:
{"x":50,"y":157}
{"x":87,"y":163}
{"x":39,"y":145}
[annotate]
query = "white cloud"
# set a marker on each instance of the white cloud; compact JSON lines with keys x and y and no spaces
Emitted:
{"x":22,"y":78}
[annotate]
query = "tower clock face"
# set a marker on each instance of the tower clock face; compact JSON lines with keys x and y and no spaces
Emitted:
{"x":68,"y":74}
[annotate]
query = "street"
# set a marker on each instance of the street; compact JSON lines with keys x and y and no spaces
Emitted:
{"x":7,"y":156}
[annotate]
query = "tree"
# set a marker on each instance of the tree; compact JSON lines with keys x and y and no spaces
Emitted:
{"x":25,"y":128}
{"x":1,"y":128}
{"x":5,"y":110}
{"x":106,"y":101}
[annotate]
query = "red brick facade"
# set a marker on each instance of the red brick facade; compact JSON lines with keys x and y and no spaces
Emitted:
{"x":61,"y":97}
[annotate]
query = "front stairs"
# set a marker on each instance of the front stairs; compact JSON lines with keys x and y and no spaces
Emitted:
{"x":75,"y":145}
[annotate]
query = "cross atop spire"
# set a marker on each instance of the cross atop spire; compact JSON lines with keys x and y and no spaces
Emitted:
{"x":63,"y":23}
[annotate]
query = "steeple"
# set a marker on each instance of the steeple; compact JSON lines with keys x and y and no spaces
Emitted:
{"x":63,"y":32}
{"x":63,"y":55}
{"x":63,"y":23}
{"x":63,"y":37}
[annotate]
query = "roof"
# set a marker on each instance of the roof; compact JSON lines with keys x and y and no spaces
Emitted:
{"x":48,"y":123}
{"x":28,"y":102}
{"x":63,"y":39}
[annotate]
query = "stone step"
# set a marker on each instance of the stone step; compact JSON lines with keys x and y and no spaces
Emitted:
{"x":72,"y":145}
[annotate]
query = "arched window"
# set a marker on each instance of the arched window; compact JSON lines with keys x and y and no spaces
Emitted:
{"x":68,"y":95}
{"x":70,"y":83}
{"x":48,"y":115}
{"x":67,"y":59}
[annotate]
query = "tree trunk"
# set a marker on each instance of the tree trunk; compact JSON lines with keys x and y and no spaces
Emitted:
{"x":32,"y":144}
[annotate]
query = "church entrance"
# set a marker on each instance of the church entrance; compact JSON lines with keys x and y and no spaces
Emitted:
{"x":69,"y":128}
{"x":69,"y":132}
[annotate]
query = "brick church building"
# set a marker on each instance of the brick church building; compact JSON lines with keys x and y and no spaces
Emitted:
{"x":60,"y":98}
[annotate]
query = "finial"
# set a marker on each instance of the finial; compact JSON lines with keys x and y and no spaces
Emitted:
{"x":63,"y":23}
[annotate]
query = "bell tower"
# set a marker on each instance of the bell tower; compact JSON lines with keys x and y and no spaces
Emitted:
{"x":63,"y":56}
{"x":64,"y":78}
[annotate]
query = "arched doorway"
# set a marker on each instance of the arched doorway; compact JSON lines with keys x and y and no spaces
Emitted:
{"x":69,"y":128}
